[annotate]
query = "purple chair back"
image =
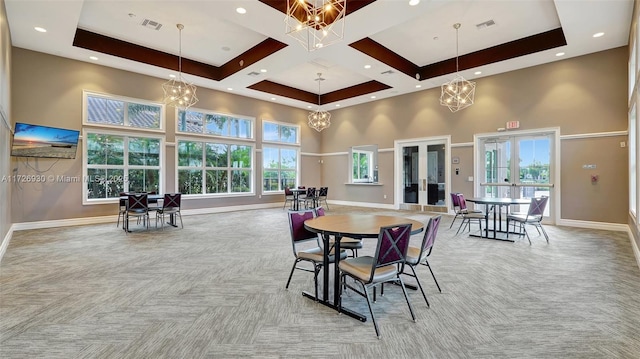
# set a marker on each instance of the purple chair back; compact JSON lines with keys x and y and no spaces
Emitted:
{"x":462,"y":202}
{"x":455,"y":201}
{"x":171,"y":200}
{"x":287,"y":191}
{"x":319,"y":211}
{"x":324,"y":191}
{"x":393,"y":243}
{"x":537,"y":206}
{"x":311,"y":192}
{"x":296,"y":226}
{"x":137,"y":202}
{"x":430,"y":236}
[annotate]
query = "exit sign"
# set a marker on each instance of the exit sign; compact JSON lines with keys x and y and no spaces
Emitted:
{"x":513,"y":124}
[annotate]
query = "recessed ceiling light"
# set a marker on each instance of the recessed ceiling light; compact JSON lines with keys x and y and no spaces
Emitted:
{"x":241,"y":10}
{"x":414,"y":2}
{"x":560,"y":54}
{"x":229,"y":88}
{"x":93,"y":58}
{"x":40,"y":29}
{"x":418,"y":86}
{"x":598,"y":34}
{"x":273,"y":99}
{"x":172,"y":76}
{"x":477,"y":72}
{"x":373,"y":97}
{"x":309,"y":106}
{"x":367,"y":66}
{"x":263,"y":70}
{"x":226,"y":48}
{"x":337,"y":105}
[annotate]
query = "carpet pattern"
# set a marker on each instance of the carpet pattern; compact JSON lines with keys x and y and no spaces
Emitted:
{"x":215,"y":289}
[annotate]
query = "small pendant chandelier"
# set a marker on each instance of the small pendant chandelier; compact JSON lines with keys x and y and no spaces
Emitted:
{"x":457,"y":93}
{"x":178,"y":92}
{"x":319,"y":120}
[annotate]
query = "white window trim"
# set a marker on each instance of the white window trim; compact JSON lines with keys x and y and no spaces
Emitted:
{"x":279,"y":123}
{"x":86,"y":93}
{"x":279,"y":146}
{"x":226,"y":141}
{"x":370,"y":160}
{"x":208,"y":135}
{"x":86,"y":131}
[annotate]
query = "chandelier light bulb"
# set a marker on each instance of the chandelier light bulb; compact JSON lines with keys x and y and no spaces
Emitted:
{"x":315,"y":21}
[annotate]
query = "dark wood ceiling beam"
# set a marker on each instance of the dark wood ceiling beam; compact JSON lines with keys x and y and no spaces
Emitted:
{"x":353,"y":91}
{"x":262,"y":50}
{"x":525,"y":46}
{"x":284,"y":91}
{"x":374,"y":49}
{"x":305,"y":96}
{"x":126,"y":50}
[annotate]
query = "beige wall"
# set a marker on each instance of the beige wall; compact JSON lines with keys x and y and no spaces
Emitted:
{"x":48,"y":91}
{"x":5,"y":118}
{"x":582,"y":95}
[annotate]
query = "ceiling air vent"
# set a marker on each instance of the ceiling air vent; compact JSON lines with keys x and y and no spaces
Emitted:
{"x":388,"y":72}
{"x":486,"y":24}
{"x":253,"y":73}
{"x":150,"y":24}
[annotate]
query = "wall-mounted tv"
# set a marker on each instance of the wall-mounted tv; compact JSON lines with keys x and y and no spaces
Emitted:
{"x":43,"y":141}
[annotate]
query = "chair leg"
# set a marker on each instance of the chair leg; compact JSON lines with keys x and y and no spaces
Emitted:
{"x":527,"y":233}
{"x":461,"y":224}
{"x":545,"y":233}
{"x":291,"y":274}
{"x":373,"y":317}
{"x":406,"y":297}
{"x":419,"y":285}
{"x":433,"y":275}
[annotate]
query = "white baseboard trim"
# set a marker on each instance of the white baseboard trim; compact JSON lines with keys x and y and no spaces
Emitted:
{"x":619,"y":227}
{"x":113,"y":218}
{"x":363,"y":204}
{"x":5,"y":242}
{"x":634,"y":245}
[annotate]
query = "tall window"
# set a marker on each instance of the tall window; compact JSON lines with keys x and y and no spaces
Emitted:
{"x":118,"y":163}
{"x":214,"y":168}
{"x":122,"y":150}
{"x":280,"y":159}
{"x":633,"y":164}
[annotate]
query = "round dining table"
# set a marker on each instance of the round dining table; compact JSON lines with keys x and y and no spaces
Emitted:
{"x":352,"y":226}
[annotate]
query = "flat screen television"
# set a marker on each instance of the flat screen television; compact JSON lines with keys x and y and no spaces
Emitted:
{"x":44,"y":141}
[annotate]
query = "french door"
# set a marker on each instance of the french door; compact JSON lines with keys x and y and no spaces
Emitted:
{"x":517,"y":165}
{"x":424,"y":174}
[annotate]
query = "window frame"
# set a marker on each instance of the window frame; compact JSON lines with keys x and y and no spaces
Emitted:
{"x":281,"y":124}
{"x":123,"y":127}
{"x":204,"y":139}
{"x":252,"y":120}
{"x":125,"y":166}
{"x":370,"y":162}
{"x":279,"y":147}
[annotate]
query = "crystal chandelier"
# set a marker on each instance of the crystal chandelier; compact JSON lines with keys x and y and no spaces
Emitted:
{"x":457,"y":93}
{"x":178,"y":92}
{"x":319,"y":120}
{"x":315,"y":23}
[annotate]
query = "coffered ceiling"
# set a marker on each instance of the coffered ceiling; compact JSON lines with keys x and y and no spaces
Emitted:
{"x":389,"y":47}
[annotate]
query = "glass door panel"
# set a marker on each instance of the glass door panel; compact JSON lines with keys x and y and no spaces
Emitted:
{"x":423,"y":174}
{"x":527,"y":177}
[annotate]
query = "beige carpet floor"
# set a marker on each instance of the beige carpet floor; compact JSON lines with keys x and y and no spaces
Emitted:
{"x":215,"y":289}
